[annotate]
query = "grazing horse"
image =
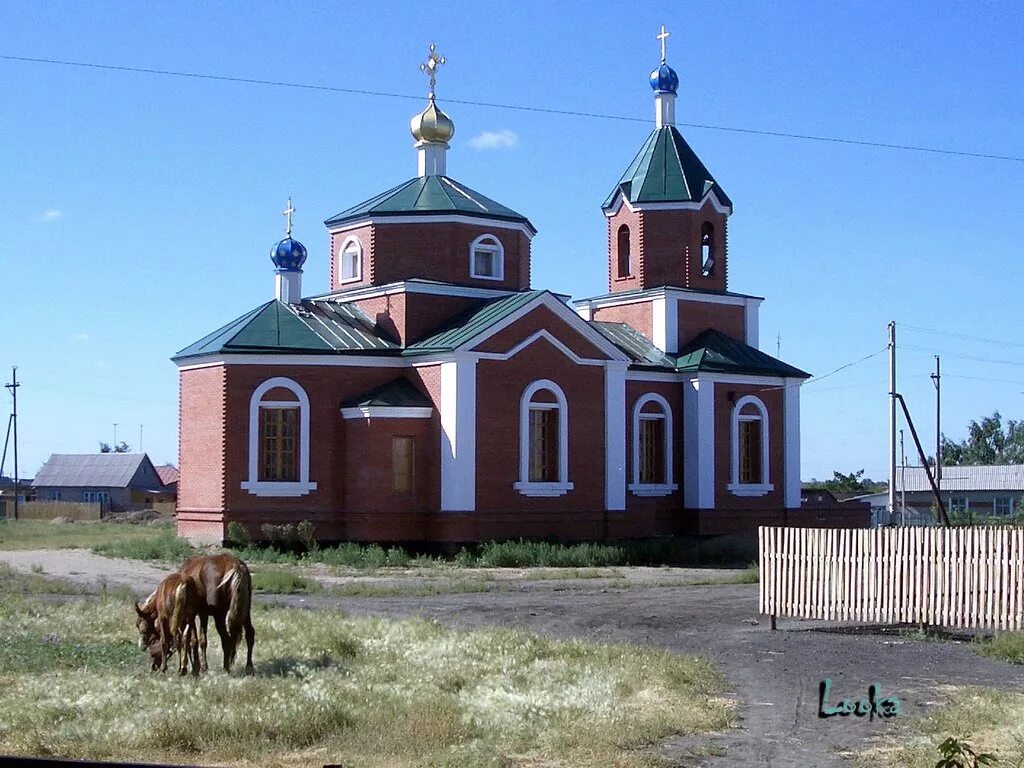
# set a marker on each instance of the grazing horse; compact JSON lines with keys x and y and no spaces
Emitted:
{"x":224,"y":587}
{"x":166,"y":622}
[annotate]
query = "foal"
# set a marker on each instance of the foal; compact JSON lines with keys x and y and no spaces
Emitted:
{"x":166,"y":622}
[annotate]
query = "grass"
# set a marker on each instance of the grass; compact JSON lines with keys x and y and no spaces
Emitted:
{"x":14,"y":582}
{"x":282,"y":582}
{"x":335,"y":689}
{"x":42,"y":534}
{"x":750,"y":575}
{"x":163,"y":545}
{"x":1008,"y":646}
{"x":549,"y":574}
{"x":454,"y":587}
{"x":991,"y":720}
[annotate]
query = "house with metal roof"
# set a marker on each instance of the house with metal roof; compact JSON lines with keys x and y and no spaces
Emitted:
{"x":118,"y":481}
{"x":434,"y":394}
{"x":981,"y":492}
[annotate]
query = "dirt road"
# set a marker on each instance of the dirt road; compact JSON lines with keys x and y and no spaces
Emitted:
{"x":773,"y":675}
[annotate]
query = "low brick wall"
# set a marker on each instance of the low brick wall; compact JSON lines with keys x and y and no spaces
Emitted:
{"x":48,"y":510}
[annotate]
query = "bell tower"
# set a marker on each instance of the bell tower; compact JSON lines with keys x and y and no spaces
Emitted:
{"x":667,"y":216}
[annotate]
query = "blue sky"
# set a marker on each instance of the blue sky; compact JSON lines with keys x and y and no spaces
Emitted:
{"x":140,"y":209}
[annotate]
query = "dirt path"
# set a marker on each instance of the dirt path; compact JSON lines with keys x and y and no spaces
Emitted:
{"x":774,"y":675}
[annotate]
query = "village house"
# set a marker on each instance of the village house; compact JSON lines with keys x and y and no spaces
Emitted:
{"x":434,"y":395}
{"x":116,"y":481}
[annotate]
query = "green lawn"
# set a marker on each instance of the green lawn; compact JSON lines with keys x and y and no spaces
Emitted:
{"x":42,"y":534}
{"x":335,"y":689}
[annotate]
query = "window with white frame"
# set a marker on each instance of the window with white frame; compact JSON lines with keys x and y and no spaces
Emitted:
{"x":749,"y":448}
{"x":652,"y":447}
{"x":487,"y":258}
{"x":1002,"y":505}
{"x":279,"y":440}
{"x":350,"y":262}
{"x":543,"y":441}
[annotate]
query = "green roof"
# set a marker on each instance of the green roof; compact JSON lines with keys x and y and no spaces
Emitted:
{"x":472,"y":322}
{"x":317,"y":326}
{"x":713,"y":351}
{"x":666,"y":170}
{"x":397,"y":393}
{"x":426,"y":195}
{"x":639,"y":348}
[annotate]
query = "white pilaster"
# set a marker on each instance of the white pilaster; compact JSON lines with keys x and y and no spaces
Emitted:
{"x":585,"y":310}
{"x":288,"y":286}
{"x":615,"y":436}
{"x":698,"y":444}
{"x":664,"y":109}
{"x":791,"y":440}
{"x":750,"y":321}
{"x":665,"y":324}
{"x":431,"y":158}
{"x":458,"y":435}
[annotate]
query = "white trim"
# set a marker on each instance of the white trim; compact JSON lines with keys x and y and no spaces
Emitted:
{"x":254,"y":485}
{"x":562,"y":485}
{"x":659,"y":332}
{"x":671,"y":378}
{"x":615,"y":437}
{"x":699,"y":443}
{"x":458,"y":435}
{"x":361,"y":361}
{"x":619,"y":200}
{"x":386,"y":412}
{"x":746,"y":379}
{"x":564,"y":312}
{"x":665,"y":323}
{"x":435,"y":219}
{"x":288,"y":285}
{"x":495,"y":249}
{"x":536,"y":336}
{"x":652,"y":489}
{"x":350,"y":240}
{"x":791,"y":442}
{"x":412,"y":286}
{"x":735,"y":486}
{"x":615,"y":300}
{"x":664,"y":109}
{"x":750,"y":322}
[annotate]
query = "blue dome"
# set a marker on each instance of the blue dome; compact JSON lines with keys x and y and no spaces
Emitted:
{"x":664,"y":79}
{"x":288,"y":255}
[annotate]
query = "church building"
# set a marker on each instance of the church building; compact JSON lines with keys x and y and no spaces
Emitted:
{"x":435,"y":395}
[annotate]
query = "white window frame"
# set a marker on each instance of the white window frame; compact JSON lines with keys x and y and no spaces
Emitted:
{"x":735,"y":486}
{"x":490,"y":244}
{"x":652,"y":489}
{"x":254,"y":485}
{"x":351,"y":240}
{"x":562,"y":485}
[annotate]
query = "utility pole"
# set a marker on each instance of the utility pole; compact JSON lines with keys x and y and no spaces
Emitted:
{"x":778,"y":345}
{"x":937,"y":381}
{"x":140,"y":438}
{"x":892,"y":419}
{"x":115,"y":435}
{"x":13,"y":386}
{"x":903,"y":482}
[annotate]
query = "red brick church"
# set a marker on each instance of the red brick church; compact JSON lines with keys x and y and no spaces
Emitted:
{"x":434,"y":395}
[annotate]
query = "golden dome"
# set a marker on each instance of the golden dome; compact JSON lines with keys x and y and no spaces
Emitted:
{"x":432,"y":125}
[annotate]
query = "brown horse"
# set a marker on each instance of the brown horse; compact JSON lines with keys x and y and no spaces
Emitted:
{"x":166,"y":622}
{"x":224,"y":588}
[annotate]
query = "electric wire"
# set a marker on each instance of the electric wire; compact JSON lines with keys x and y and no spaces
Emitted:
{"x":517,"y":107}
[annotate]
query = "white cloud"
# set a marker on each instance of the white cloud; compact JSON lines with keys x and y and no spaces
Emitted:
{"x":51,"y":214}
{"x":503,"y":139}
{"x":80,"y":337}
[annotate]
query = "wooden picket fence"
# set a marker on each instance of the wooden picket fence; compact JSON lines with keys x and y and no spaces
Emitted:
{"x":948,"y":577}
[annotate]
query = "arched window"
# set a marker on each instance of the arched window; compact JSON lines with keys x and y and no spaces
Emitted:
{"x":350,"y":261}
{"x":487,"y":258}
{"x":652,"y":447}
{"x":623,"y":252}
{"x":707,"y":249}
{"x":749,"y":448}
{"x":543,"y":441}
{"x":279,"y":440}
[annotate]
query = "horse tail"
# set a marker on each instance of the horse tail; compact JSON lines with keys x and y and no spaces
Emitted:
{"x":240,"y":601}
{"x":180,"y":606}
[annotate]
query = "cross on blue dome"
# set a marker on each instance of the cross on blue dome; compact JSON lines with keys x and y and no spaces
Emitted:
{"x":664,"y":79}
{"x":288,"y":255}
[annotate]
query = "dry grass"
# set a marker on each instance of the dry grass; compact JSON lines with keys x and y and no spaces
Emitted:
{"x":43,"y":534}
{"x":335,"y":689}
{"x":990,"y":720}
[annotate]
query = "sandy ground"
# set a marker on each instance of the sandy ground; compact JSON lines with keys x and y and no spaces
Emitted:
{"x":774,"y":676}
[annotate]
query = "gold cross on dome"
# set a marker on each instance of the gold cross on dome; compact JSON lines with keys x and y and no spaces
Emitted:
{"x":662,"y":37}
{"x":429,"y":67}
{"x":287,"y":212}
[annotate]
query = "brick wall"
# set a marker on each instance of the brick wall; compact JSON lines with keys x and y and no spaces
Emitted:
{"x":636,"y":314}
{"x":406,"y":318}
{"x":201,"y":435}
{"x":672,"y":249}
{"x":636,"y":250}
{"x":725,"y":396}
{"x":540,"y":318}
{"x":694,"y":317}
{"x":650,"y":514}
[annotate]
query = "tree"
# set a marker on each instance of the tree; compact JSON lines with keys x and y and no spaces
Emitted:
{"x":121,"y":447}
{"x":855,"y":482}
{"x":986,"y":443}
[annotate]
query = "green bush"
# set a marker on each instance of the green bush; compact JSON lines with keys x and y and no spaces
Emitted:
{"x":164,"y":546}
{"x":238,"y":535}
{"x":306,"y":533}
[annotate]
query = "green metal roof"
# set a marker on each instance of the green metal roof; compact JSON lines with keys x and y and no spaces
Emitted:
{"x":470,"y":323}
{"x":666,"y":170}
{"x":314,"y":326}
{"x":398,"y":393}
{"x":426,"y":195}
{"x":639,"y":348}
{"x":713,"y":351}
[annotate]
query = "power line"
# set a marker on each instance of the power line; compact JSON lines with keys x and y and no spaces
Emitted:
{"x":964,"y":336}
{"x":517,"y":107}
{"x":973,"y":358}
{"x":848,"y":365}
